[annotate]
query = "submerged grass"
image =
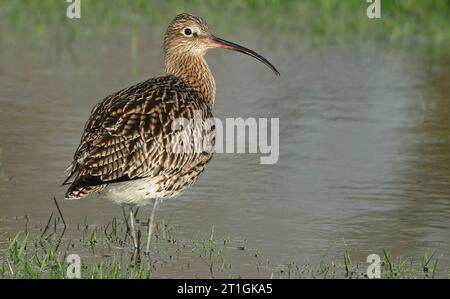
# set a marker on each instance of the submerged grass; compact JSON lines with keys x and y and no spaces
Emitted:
{"x":106,"y":253}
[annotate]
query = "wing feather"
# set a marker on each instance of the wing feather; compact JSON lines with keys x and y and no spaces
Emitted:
{"x":129,"y":135}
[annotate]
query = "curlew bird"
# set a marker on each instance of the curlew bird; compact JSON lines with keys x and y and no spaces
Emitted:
{"x":128,"y":148}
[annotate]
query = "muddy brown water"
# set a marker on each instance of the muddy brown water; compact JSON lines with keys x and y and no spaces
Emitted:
{"x":364,"y":145}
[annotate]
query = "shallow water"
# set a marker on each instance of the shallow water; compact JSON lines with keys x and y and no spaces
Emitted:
{"x":364,"y":145}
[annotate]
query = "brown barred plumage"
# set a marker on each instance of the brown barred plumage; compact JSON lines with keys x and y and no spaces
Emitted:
{"x":126,"y":150}
{"x":130,"y":149}
{"x":129,"y":137}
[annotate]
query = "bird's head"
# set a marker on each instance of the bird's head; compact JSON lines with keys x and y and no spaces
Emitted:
{"x":188,"y":34}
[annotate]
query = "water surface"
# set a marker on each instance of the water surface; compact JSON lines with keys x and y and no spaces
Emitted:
{"x":364,"y":145}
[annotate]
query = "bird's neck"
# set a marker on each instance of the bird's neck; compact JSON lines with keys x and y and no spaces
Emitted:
{"x":193,"y":70}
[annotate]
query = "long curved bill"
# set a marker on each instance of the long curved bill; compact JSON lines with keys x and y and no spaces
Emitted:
{"x":216,"y":42}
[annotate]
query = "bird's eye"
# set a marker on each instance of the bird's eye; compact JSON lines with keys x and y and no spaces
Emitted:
{"x":188,"y":32}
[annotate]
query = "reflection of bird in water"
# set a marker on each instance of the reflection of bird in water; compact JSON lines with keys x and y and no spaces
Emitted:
{"x":127,"y":151}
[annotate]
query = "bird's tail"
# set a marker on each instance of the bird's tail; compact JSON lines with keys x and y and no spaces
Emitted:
{"x":81,"y":188}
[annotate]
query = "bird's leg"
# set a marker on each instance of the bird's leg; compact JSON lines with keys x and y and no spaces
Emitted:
{"x":133,"y":230}
{"x":138,"y":229}
{"x":136,"y":213}
{"x":150,"y":226}
{"x":125,"y":218}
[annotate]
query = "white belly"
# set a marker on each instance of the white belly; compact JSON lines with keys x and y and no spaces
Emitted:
{"x":139,"y":192}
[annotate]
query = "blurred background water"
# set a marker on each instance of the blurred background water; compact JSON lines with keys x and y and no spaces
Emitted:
{"x":364,"y":113}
